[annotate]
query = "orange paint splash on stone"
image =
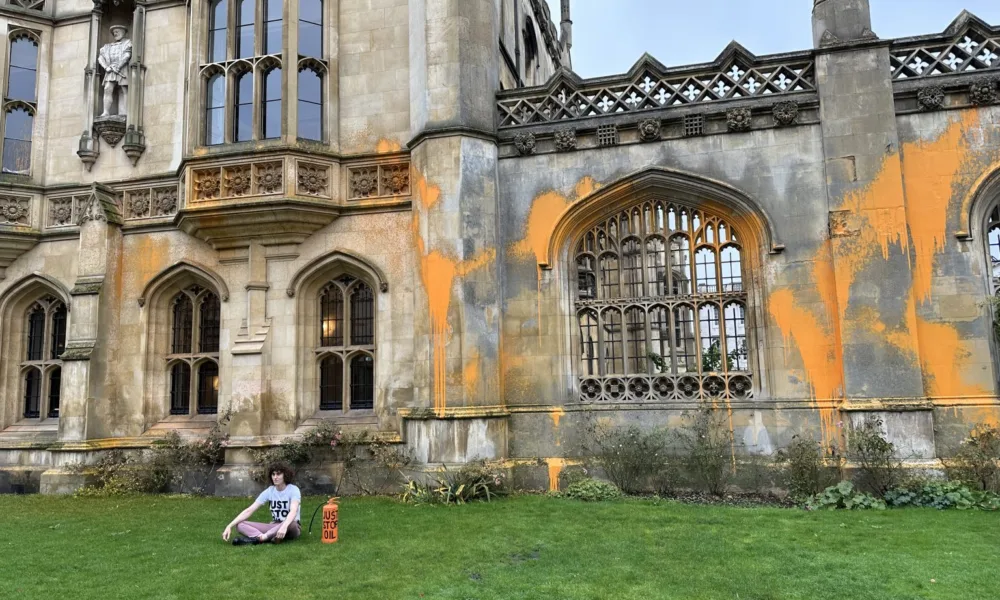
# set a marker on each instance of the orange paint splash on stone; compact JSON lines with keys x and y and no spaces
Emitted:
{"x":944,"y":357}
{"x":438,"y":272}
{"x":556,"y":465}
{"x":930,"y":169}
{"x":556,"y":414}
{"x":821,"y":355}
{"x":385,"y":146}
{"x":470,"y":376}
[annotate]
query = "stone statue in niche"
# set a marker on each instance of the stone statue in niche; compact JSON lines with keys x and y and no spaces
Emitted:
{"x":113,"y":58}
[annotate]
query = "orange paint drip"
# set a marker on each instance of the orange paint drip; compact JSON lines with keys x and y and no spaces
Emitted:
{"x":470,"y":376}
{"x":556,"y":465}
{"x":385,"y":146}
{"x":823,"y":363}
{"x":556,"y":414}
{"x":930,"y":169}
{"x":944,"y":358}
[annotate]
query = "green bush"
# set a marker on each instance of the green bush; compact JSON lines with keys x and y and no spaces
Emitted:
{"x":631,"y":458}
{"x":592,"y":490}
{"x":977,"y":461}
{"x":844,"y":496}
{"x":879,"y":469}
{"x":942,"y":495}
{"x":479,"y":480}
{"x":707,"y":445}
{"x":803,"y":471}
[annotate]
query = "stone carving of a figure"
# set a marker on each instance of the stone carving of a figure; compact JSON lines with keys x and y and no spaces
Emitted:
{"x":113,"y":58}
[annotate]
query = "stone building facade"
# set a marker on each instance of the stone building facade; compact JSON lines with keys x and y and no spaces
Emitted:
{"x":412,"y":217}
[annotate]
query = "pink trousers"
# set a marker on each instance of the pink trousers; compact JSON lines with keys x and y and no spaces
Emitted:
{"x":252,"y":529}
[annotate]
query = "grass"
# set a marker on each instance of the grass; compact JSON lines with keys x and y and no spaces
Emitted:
{"x":524,"y":547}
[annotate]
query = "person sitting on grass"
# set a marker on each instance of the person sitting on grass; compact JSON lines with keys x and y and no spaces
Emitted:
{"x":283,"y":499}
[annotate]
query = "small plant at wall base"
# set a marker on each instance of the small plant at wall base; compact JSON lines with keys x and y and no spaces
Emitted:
{"x":977,"y":460}
{"x":631,"y":458}
{"x":803,"y":469}
{"x":592,"y":490}
{"x":844,"y":496}
{"x":478,"y":480}
{"x":878,"y":468}
{"x":707,"y":455}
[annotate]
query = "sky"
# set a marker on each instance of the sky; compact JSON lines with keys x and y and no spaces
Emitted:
{"x":610,"y":35}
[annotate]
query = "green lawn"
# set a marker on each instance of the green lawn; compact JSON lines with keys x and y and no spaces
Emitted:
{"x":526,"y":547}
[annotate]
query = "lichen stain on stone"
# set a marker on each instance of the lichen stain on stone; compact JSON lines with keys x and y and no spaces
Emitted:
{"x":386,"y":146}
{"x":438,"y":272}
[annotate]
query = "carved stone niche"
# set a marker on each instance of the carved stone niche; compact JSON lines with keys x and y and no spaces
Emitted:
{"x":114,"y":80}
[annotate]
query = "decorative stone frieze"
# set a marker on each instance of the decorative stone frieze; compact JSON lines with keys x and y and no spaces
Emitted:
{"x":313,"y":179}
{"x":607,"y":135}
{"x":739,"y":119}
{"x":970,"y":49}
{"x":136,"y":203}
{"x":983,"y":92}
{"x":379,"y":181}
{"x":930,"y":98}
{"x":14,"y":210}
{"x":649,"y":130}
{"x":524,"y":143}
{"x":237,"y":181}
{"x":164,"y":201}
{"x":207,"y":185}
{"x":268,"y":177}
{"x":60,"y":213}
{"x":785,"y":113}
{"x":565,"y":140}
{"x":152,"y":202}
{"x":395,"y":179}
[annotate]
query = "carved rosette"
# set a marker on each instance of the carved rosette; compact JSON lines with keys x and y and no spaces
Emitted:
{"x":313,"y":179}
{"x":164,"y":201}
{"x":930,"y":98}
{"x":60,"y":211}
{"x":524,"y":143}
{"x":983,"y":92}
{"x":364,"y":182}
{"x":565,"y":140}
{"x":785,"y":113}
{"x":137,"y":204}
{"x":237,"y":181}
{"x":269,"y":178}
{"x":396,"y":180}
{"x":14,"y":210}
{"x":739,"y":119}
{"x":649,"y":130}
{"x":207,"y":185}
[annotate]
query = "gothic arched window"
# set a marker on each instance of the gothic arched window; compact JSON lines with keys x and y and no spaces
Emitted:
{"x":271,"y":108}
{"x":19,"y":106}
{"x":993,"y":249}
{"x":661,"y":306}
{"x":41,"y":365}
{"x":310,"y":103}
{"x":346,"y":351}
{"x":193,"y":359}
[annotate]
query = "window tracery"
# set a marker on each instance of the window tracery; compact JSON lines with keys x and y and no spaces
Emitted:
{"x":194,"y":349}
{"x":661,"y":306}
{"x":41,"y":367}
{"x":346,"y":351}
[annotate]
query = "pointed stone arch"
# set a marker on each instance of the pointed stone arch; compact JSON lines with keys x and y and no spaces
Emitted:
{"x":332,"y":260}
{"x":199,"y":271}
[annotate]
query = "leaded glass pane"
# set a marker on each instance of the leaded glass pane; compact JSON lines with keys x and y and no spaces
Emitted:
{"x":362,"y":382}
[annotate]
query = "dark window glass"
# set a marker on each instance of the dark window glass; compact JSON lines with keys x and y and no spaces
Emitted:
{"x":22,"y":74}
{"x":36,"y":333}
{"x":17,"y":141}
{"x":215,"y":110}
{"x":362,"y":316}
{"x":244,"y":39}
{"x":208,"y":388}
{"x":55,"y":389}
{"x":331,"y":305}
{"x":32,"y":393}
{"x":244,"y":107}
{"x":58,"y":331}
{"x":183,"y":324}
{"x":208,"y":324}
{"x":310,"y":105}
{"x":24,"y":53}
{"x":311,"y":28}
{"x":217,"y":32}
{"x":272,"y":25}
{"x":331,"y":383}
{"x":180,"y":389}
{"x":362,"y":382}
{"x":272,"y":104}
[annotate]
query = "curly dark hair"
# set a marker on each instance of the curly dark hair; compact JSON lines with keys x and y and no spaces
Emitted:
{"x":281,"y":467}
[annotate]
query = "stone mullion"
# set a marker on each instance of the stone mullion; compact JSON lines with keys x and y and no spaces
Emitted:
{"x":290,"y":71}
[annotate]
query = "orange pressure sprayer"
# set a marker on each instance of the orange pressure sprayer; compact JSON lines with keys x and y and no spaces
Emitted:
{"x":330,"y":520}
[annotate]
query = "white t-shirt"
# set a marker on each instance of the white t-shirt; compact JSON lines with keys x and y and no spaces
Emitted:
{"x":280,"y":503}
